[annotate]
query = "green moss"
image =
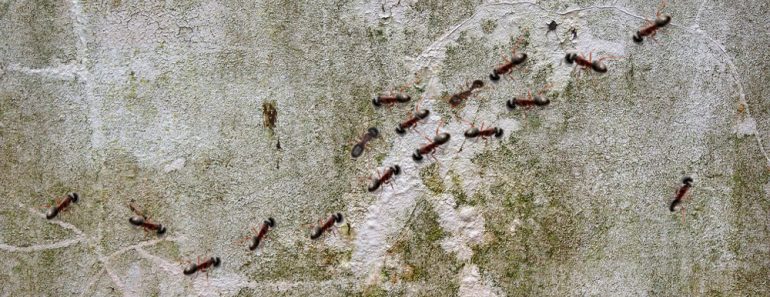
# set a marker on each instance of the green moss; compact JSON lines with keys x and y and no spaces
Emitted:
{"x":431,"y":179}
{"x":419,"y":246}
{"x":488,"y":25}
{"x":457,"y":188}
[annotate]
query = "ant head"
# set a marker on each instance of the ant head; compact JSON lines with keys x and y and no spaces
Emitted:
{"x":598,"y":66}
{"x":662,"y":20}
{"x":396,"y":169}
{"x":417,"y":156}
{"x":373,"y":132}
{"x":358,"y":149}
{"x":161,"y":229}
{"x":494,"y":76}
{"x":441,"y":138}
{"x":541,"y":101}
{"x":518,"y":58}
{"x":337,"y":217}
{"x":270,"y":222}
{"x":376,"y":101}
{"x":477,"y":84}
{"x":511,"y":103}
{"x":216,"y":261}
{"x":403,"y":98}
{"x":472,"y":132}
{"x":637,"y":37}
{"x":423,"y":114}
{"x":570,"y":57}
{"x":687,"y":180}
{"x":400,"y":130}
{"x":51,"y":213}
{"x":136,"y":221}
{"x":498,"y":132}
{"x":73,"y":196}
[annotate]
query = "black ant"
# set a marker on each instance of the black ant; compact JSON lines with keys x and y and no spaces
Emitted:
{"x":537,"y":100}
{"x":141,"y":220}
{"x":458,"y":98}
{"x":61,"y":205}
{"x":652,"y":26}
{"x":385,"y":177}
{"x":211,"y":262}
{"x":686,"y":185}
{"x":597,"y":65}
{"x":318,"y":231}
{"x":516,"y":59}
{"x":370,"y":134}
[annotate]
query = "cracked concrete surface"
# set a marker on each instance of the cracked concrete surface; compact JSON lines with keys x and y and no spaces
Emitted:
{"x":163,"y":103}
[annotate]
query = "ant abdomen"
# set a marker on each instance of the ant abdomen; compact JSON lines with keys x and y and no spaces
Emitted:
{"x":254,"y":243}
{"x":136,"y":221}
{"x":375,"y":185}
{"x":542,"y":101}
{"x":472,"y":132}
{"x":358,"y":149}
{"x":317,"y":232}
{"x":598,"y":66}
{"x":51,"y":213}
{"x":662,"y":20}
{"x":441,"y":138}
{"x":477,"y":84}
{"x":190,"y":269}
{"x":674,"y":204}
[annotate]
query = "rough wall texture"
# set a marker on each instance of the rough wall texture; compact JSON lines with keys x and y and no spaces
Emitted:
{"x":165,"y":103}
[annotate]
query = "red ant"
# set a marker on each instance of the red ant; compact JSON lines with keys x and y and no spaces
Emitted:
{"x":516,"y":59}
{"x":537,"y":100}
{"x":318,"y":231}
{"x":420,"y":115}
{"x":686,"y":185}
{"x":652,"y":26}
{"x":370,"y":134}
{"x":391,"y":99}
{"x":384,"y":178}
{"x":267,"y":225}
{"x":430,"y":148}
{"x":597,"y":65}
{"x":458,"y":98}
{"x":213,"y":261}
{"x":61,"y":205}
{"x":474,"y":132}
{"x":141,"y":220}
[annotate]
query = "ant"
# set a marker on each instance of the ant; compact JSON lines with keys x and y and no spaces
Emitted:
{"x":384,"y":178}
{"x":391,"y":99}
{"x":213,"y":261}
{"x":141,"y":220}
{"x":597,"y":65}
{"x":370,"y":134}
{"x":458,"y":98}
{"x":267,"y":225}
{"x":686,"y":185}
{"x":411,"y":122}
{"x":474,"y":132}
{"x":652,"y":26}
{"x":318,"y":231}
{"x":516,"y":58}
{"x":61,"y":205}
{"x":537,"y":100}
{"x":430,"y":148}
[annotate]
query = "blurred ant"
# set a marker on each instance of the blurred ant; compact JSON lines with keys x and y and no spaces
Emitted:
{"x":390,"y":99}
{"x":267,"y":225}
{"x":370,"y":134}
{"x":458,"y":98}
{"x":431,"y":147}
{"x":516,"y":59}
{"x":596,"y":65}
{"x":61,"y":204}
{"x":652,"y":26}
{"x":318,"y":231}
{"x":680,"y":196}
{"x":474,"y":132}
{"x":203,"y":267}
{"x":412,"y":122}
{"x":537,"y":100}
{"x":385,"y":177}
{"x":141,"y":220}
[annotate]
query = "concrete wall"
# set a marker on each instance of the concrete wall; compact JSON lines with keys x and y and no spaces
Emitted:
{"x":168,"y":103}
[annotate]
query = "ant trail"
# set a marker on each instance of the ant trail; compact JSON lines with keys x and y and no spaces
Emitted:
{"x":94,"y":278}
{"x":66,"y":72}
{"x":41,"y":247}
{"x":164,"y":264}
{"x":697,"y":15}
{"x":142,"y":245}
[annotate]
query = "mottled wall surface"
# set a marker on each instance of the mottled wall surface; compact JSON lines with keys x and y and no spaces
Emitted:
{"x":169,"y":103}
